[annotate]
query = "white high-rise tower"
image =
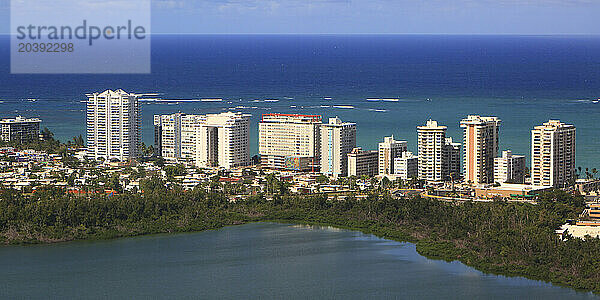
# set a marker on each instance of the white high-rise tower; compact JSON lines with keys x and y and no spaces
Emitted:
{"x":113,"y":125}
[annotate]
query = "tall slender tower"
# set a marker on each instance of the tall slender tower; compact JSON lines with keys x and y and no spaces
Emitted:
{"x":432,"y":143}
{"x":113,"y":125}
{"x":480,"y":148}
{"x":337,"y":140}
{"x":553,"y":154}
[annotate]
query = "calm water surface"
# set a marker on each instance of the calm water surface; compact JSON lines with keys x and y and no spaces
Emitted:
{"x":261,"y":260}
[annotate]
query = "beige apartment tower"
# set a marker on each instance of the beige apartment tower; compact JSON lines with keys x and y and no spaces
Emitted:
{"x":337,"y":140}
{"x":509,"y":168}
{"x":480,"y":140}
{"x":361,"y":162}
{"x":389,"y":149}
{"x":553,"y":154}
{"x":289,"y":141}
{"x":406,"y":166}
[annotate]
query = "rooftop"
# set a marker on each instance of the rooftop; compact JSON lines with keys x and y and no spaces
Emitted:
{"x":20,"y":119}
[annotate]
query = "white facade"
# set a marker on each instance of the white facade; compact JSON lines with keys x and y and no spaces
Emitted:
{"x":285,"y":137}
{"x":553,"y":154}
{"x":362,"y":162}
{"x":431,"y":143}
{"x":337,"y":140}
{"x":389,"y":149}
{"x":233,"y":139}
{"x":113,"y":125}
{"x":213,"y":140}
{"x":509,"y":168}
{"x":167,"y":135}
{"x":406,"y":166}
{"x":480,"y":148}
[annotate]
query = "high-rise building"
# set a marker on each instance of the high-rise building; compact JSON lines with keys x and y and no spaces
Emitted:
{"x":167,"y":135}
{"x":20,"y":130}
{"x":452,"y":158}
{"x":337,"y":140}
{"x":406,"y":166}
{"x":509,"y":168}
{"x":113,"y":125}
{"x":208,"y":140}
{"x":190,"y":129}
{"x":553,"y":154}
{"x":431,"y":142}
{"x":389,"y":149}
{"x":289,"y":141}
{"x":230,"y":133}
{"x":362,"y":162}
{"x":480,"y":148}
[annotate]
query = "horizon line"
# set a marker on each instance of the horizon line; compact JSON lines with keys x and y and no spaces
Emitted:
{"x":378,"y":34}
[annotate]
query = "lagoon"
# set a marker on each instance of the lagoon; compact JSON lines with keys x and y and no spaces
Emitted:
{"x":258,"y":260}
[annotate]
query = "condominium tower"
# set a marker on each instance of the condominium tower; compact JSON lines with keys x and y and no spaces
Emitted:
{"x":431,"y":140}
{"x":361,"y":162}
{"x":509,"y":168}
{"x":406,"y":166}
{"x":289,"y":141}
{"x":113,"y":125}
{"x":208,"y":140}
{"x":337,"y":140}
{"x":389,"y":149}
{"x":553,"y":154}
{"x":167,"y":135}
{"x":20,"y":130}
{"x":480,"y":148}
{"x":452,"y":158}
{"x":438,"y":155}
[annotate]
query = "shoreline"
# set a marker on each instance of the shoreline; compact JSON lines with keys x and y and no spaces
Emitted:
{"x":423,"y":247}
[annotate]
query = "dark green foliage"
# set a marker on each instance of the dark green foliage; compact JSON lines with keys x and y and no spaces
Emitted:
{"x":497,"y":237}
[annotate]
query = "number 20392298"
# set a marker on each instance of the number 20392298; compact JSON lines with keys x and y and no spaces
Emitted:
{"x":46,"y":47}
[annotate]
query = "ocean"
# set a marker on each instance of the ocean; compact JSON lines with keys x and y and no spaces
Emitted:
{"x":523,"y":80}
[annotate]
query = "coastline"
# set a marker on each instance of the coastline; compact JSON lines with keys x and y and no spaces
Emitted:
{"x":434,"y":250}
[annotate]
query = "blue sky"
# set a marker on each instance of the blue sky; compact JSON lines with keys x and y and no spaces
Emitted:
{"x":369,"y":16}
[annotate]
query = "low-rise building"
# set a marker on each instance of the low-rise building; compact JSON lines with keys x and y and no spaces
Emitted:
{"x":514,"y":191}
{"x":587,"y":187}
{"x":579,"y":230}
{"x":594,"y":212}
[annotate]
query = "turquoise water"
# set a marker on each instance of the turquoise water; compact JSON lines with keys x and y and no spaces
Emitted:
{"x":524,"y":80}
{"x":261,"y":260}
